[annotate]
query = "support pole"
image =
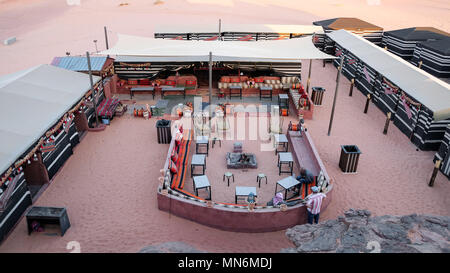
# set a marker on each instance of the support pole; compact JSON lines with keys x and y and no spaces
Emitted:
{"x":335,"y":95}
{"x":351,"y":87}
{"x":435,"y":171}
{"x":210,"y":88}
{"x":309,"y":77}
{"x":420,"y":64}
{"x":220,"y":30}
{"x":367,"y":104}
{"x":106,"y":38}
{"x":94,"y":94}
{"x":386,"y":125}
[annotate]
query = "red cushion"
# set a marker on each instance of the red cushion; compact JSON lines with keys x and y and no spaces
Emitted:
{"x":174,"y":156}
{"x":259,"y":80}
{"x":173,"y":167}
{"x":144,"y":82}
{"x":170,"y":82}
{"x":235,"y":79}
{"x":225,"y":79}
{"x":132,"y":81}
{"x":190,"y":82}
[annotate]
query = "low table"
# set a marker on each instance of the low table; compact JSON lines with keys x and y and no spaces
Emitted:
{"x":142,"y":89}
{"x":48,"y":215}
{"x":244,"y":192}
{"x":202,"y":182}
{"x":281,"y":139}
{"x":202,"y":140}
{"x":235,"y":87}
{"x":173,"y":89}
{"x":267,"y":89}
{"x":198,"y":160}
{"x":287,"y":184}
{"x":285,"y":158}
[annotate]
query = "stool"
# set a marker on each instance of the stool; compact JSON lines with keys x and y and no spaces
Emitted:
{"x":214,"y":142}
{"x":228,"y":175}
{"x":237,"y":147}
{"x":259,"y":177}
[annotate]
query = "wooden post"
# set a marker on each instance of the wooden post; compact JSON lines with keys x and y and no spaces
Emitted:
{"x":309,"y":77}
{"x":386,"y":125}
{"x":106,"y":39}
{"x":367,"y":104}
{"x":351,"y":87}
{"x":435,"y":171}
{"x":94,"y":94}
{"x":220,"y":31}
{"x":210,"y":88}
{"x":335,"y":95}
{"x":323,"y":63}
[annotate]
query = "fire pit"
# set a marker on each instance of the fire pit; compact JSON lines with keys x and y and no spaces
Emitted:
{"x":241,"y":161}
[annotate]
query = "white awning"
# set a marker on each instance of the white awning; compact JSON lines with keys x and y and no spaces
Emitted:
{"x":422,"y":86}
{"x":33,"y":100}
{"x":239,"y":28}
{"x":292,"y":50}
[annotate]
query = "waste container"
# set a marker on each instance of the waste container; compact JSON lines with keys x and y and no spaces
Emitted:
{"x":317,"y":95}
{"x":349,"y":158}
{"x":163,"y":129}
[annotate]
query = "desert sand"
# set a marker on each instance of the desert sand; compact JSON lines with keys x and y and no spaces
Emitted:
{"x":109,"y":184}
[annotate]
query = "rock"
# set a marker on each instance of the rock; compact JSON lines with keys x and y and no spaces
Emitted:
{"x":357,"y":232}
{"x":170,"y":247}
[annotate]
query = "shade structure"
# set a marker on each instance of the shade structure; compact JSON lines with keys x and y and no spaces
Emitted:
{"x":149,"y":56}
{"x":433,"y":57}
{"x":79,"y":63}
{"x":32,"y":101}
{"x":419,"y":102}
{"x":233,"y":51}
{"x":365,"y":29}
{"x":234,"y":32}
{"x":402,"y":42}
{"x":443,"y":153}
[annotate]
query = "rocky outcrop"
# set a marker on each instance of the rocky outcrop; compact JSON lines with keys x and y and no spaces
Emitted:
{"x":357,"y":232}
{"x":170,"y":247}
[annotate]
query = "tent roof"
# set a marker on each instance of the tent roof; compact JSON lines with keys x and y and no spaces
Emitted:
{"x":348,"y":23}
{"x":292,"y":50}
{"x":419,"y":34}
{"x":441,"y":46}
{"x":239,"y":28}
{"x":33,"y":100}
{"x":425,"y":88}
{"x":79,"y":63}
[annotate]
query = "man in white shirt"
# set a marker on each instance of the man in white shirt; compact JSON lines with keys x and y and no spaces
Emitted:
{"x":313,"y":205}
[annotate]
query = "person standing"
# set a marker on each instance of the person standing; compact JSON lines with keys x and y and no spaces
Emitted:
{"x":313,"y":205}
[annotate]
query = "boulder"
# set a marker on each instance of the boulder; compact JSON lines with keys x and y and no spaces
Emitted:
{"x":357,"y":232}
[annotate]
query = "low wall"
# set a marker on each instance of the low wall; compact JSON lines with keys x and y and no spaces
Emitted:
{"x":236,"y":219}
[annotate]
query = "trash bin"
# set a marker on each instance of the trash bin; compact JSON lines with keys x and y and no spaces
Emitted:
{"x":317,"y":95}
{"x":349,"y":158}
{"x":163,"y":129}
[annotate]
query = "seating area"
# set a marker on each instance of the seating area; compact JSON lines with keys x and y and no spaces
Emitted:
{"x":272,"y":168}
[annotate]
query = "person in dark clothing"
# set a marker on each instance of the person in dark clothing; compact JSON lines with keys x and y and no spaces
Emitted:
{"x":305,"y":177}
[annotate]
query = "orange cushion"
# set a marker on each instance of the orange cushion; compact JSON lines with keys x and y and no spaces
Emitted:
{"x":235,"y":79}
{"x":259,"y":80}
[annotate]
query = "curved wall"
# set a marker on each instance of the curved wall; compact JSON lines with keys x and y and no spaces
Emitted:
{"x":236,"y":219}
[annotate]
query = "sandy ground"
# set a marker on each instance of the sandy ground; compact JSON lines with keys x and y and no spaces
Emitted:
{"x":109,"y":184}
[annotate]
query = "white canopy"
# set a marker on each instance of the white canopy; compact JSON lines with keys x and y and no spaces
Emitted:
{"x":422,"y":86}
{"x":239,"y":28}
{"x":31,"y":102}
{"x":292,"y":50}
